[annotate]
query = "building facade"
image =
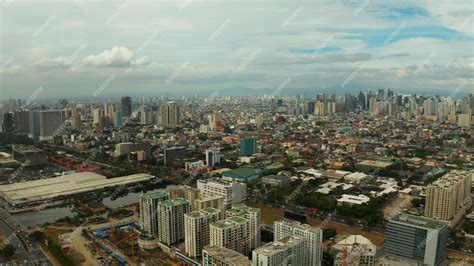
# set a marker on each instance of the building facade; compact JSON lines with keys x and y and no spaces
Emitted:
{"x":417,"y":239}
{"x":149,"y":219}
{"x":196,"y":229}
{"x":171,"y":220}
{"x":284,"y":228}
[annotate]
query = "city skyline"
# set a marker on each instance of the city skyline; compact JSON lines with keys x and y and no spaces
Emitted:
{"x":102,"y":49}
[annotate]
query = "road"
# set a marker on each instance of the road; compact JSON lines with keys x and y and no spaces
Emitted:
{"x":28,"y":251}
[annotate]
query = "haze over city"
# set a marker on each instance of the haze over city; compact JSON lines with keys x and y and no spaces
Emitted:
{"x":72,"y":48}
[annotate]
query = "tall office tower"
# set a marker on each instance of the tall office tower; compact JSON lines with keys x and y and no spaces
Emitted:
{"x":310,"y":108}
{"x":97,"y":113}
{"x":361,"y":100}
{"x":471,"y":101}
{"x":232,"y":192}
{"x":110,"y":111}
{"x":127,"y":106}
{"x":320,"y":109}
{"x":10,"y":106}
{"x":221,"y":256}
{"x":46,"y":124}
{"x":290,"y":250}
{"x":464,"y":120}
{"x":350,"y":102}
{"x":76,"y":120}
{"x":284,"y":228}
{"x":22,"y":121}
{"x":146,"y":116}
{"x":118,"y":119}
{"x":149,"y":219}
{"x":196,"y":229}
{"x":417,"y":239}
{"x":171,"y":223}
{"x":253,"y":215}
{"x":213,"y":156}
{"x":448,"y":198}
{"x":248,"y":146}
{"x":7,"y":125}
{"x":170,"y":115}
{"x":232,"y":233}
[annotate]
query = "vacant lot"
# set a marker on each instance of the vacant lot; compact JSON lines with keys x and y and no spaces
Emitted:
{"x":271,"y":214}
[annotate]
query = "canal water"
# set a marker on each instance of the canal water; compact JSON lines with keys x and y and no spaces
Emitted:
{"x":50,"y":215}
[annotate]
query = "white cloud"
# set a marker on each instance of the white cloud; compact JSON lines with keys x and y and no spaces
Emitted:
{"x":53,"y":63}
{"x":116,"y":57}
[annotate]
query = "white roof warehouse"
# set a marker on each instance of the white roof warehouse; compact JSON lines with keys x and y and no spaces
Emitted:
{"x":50,"y":188}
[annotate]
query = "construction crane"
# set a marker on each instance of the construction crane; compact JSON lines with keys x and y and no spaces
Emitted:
{"x":130,"y":237}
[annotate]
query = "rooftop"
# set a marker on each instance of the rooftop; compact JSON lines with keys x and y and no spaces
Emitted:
{"x":229,"y":222}
{"x":410,"y":219}
{"x":158,"y":193}
{"x":227,"y":256}
{"x":173,"y":202}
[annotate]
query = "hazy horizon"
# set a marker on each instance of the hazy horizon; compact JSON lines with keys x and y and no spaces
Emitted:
{"x":89,"y":48}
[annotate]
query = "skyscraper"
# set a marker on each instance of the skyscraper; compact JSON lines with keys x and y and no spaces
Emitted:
{"x":118,"y":119}
{"x":7,"y":126}
{"x":213,"y":156}
{"x":196,"y":229}
{"x":290,"y":250}
{"x":418,"y":239}
{"x":248,"y":146}
{"x":253,"y":216}
{"x":171,"y":219}
{"x":149,"y":219}
{"x":448,"y":196}
{"x":232,"y":233}
{"x":314,"y":235}
{"x":45,"y":124}
{"x":127,"y":106}
{"x":170,"y":114}
{"x":22,"y":121}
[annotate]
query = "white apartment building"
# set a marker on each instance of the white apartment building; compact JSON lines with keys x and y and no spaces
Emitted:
{"x":221,"y":256}
{"x":196,"y":229}
{"x":149,"y":210}
{"x":253,"y":215}
{"x":284,"y":228}
{"x":171,"y":223}
{"x":449,"y":196}
{"x":290,"y":250}
{"x":232,"y":233}
{"x":232,"y":192}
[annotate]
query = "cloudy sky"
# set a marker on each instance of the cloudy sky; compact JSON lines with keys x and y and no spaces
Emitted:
{"x":104,"y":48}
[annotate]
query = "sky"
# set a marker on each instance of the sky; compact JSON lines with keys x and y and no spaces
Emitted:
{"x":93,"y":48}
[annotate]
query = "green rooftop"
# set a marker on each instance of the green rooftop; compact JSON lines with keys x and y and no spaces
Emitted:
{"x":174,"y":202}
{"x":158,"y":193}
{"x":419,"y":221}
{"x":229,"y":223}
{"x":203,"y":212}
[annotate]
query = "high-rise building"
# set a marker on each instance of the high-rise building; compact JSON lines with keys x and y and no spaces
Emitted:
{"x":232,"y":233}
{"x":171,"y":219}
{"x":149,"y":219}
{"x":208,"y":201}
{"x":448,"y":198}
{"x":232,"y":192}
{"x":248,"y":146}
{"x":213,"y":157}
{"x":44,"y":124}
{"x":7,"y":125}
{"x":464,"y":120}
{"x":127,"y":106}
{"x":253,"y":215}
{"x":76,"y":120}
{"x":418,"y":239}
{"x":221,"y":256}
{"x":290,"y":250}
{"x":118,"y":119}
{"x":170,"y":115}
{"x":284,"y":228}
{"x":22,"y":121}
{"x":197,"y":228}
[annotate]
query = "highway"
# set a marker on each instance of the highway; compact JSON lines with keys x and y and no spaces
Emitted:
{"x":28,"y":251}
